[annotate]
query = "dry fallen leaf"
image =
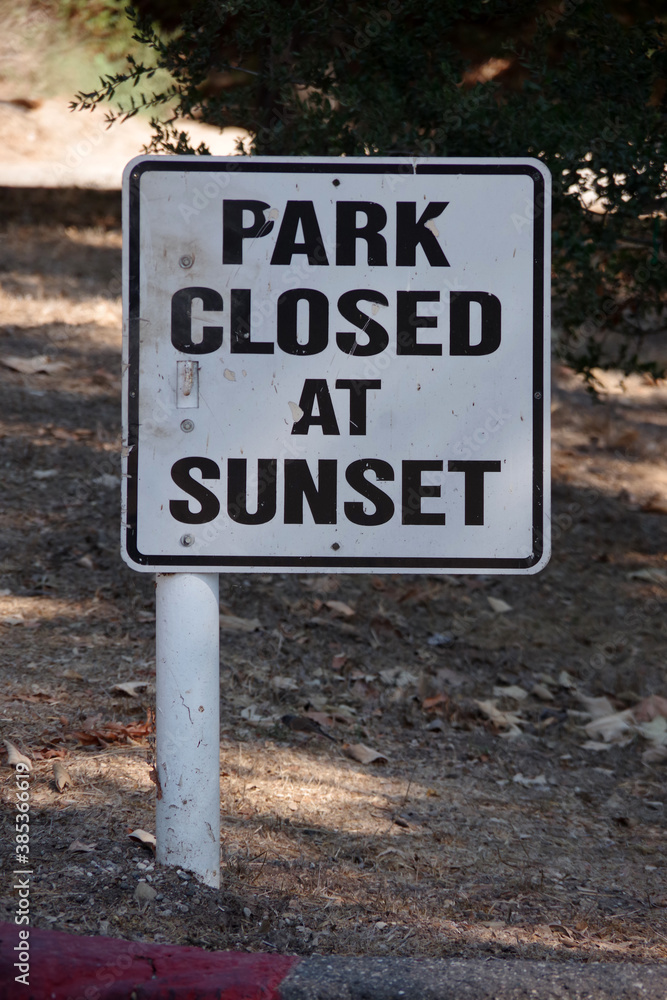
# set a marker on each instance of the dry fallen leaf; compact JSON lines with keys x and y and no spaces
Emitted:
{"x":61,"y":776}
{"x":650,"y":708}
{"x":14,"y":756}
{"x":71,"y":675}
{"x":520,"y":779}
{"x":397,"y":676}
{"x":433,"y":704}
{"x":365,"y":755}
{"x":513,"y":691}
{"x":323,"y":719}
{"x":404,"y":678}
{"x":498,"y":605}
{"x":130,"y":688}
{"x":597,"y":708}
{"x":561,"y":929}
{"x":48,"y":753}
{"x":38,"y":696}
{"x":340,"y":608}
{"x":144,"y":837}
{"x":284,"y":683}
{"x":611,"y":728}
{"x":230,"y":623}
{"x":251,"y":714}
{"x":504,"y":720}
{"x":547,"y":679}
{"x":78,"y":845}
{"x":344,"y":713}
{"x":96,"y":731}
{"x":340,"y":715}
{"x":655,"y":731}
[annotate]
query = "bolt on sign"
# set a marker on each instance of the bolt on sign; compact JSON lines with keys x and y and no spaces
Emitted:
{"x":336,"y":364}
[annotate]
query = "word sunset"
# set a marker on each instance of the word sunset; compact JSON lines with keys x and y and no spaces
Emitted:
{"x":336,"y":364}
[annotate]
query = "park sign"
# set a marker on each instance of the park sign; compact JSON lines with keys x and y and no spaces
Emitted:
{"x":331,"y":365}
{"x":336,"y":364}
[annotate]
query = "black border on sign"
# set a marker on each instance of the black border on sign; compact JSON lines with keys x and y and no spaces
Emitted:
{"x":230,"y":563}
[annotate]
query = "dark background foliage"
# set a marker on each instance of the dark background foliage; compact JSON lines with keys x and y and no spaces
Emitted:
{"x":581,"y":84}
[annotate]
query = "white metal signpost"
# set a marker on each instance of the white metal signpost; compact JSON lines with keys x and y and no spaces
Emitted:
{"x":331,"y":364}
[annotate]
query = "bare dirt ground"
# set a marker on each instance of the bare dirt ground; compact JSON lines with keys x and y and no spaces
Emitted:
{"x":506,"y":813}
{"x":502,"y":817}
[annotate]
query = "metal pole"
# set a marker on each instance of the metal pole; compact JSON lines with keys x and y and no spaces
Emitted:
{"x":188,"y":723}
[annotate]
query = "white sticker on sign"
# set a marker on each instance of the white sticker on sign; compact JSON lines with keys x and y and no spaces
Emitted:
{"x":336,"y":364}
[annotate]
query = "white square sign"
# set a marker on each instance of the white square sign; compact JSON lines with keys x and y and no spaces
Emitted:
{"x":336,"y":364}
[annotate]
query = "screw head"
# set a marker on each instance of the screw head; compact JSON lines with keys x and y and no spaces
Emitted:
{"x":187,"y":260}
{"x":187,"y":540}
{"x":187,"y":425}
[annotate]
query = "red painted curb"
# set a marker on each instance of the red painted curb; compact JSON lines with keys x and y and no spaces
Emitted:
{"x":69,"y":967}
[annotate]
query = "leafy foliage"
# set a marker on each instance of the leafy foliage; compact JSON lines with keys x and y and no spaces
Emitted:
{"x":579,"y":83}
